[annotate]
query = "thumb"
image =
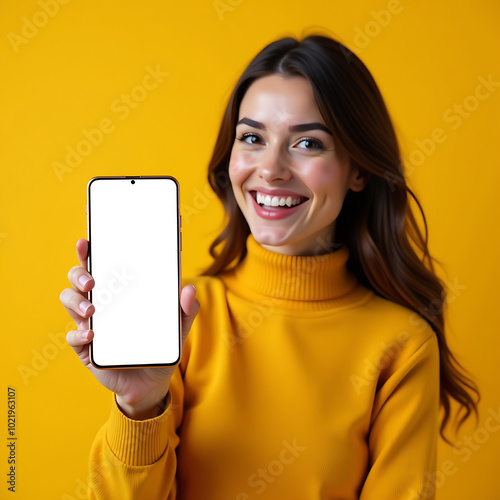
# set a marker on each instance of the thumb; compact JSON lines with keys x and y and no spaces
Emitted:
{"x":190,"y":308}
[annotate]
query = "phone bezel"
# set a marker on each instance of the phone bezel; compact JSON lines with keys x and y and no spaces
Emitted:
{"x":179,"y":277}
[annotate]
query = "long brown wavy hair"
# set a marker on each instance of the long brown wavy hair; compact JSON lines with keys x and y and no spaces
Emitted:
{"x":377,"y":223}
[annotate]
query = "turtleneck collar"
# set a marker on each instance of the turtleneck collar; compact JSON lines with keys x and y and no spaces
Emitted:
{"x":296,"y":281}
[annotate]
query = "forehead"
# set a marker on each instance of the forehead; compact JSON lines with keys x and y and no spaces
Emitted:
{"x":275,"y":97}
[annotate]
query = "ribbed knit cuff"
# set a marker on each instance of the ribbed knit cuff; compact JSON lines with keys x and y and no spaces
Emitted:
{"x":137,"y":442}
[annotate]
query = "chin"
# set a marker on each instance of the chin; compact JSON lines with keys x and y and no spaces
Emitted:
{"x":271,"y":237}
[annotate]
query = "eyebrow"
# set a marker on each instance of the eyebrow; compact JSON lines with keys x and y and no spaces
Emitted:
{"x":293,"y":128}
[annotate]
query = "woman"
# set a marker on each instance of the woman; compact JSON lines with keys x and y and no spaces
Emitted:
{"x":318,"y":359}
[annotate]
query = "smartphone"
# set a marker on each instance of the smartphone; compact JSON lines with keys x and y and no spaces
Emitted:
{"x":133,"y":229}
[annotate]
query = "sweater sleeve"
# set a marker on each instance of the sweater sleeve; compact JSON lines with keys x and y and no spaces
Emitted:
{"x":135,"y":459}
{"x":404,"y":429}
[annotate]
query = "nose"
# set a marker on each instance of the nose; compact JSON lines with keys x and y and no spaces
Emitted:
{"x":272,"y":165}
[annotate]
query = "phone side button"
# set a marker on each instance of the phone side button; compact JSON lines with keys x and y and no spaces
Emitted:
{"x":181,"y":242}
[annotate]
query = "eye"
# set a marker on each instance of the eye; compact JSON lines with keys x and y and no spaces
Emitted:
{"x":249,"y":138}
{"x":310,"y":143}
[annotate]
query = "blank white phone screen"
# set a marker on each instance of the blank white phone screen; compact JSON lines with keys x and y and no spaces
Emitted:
{"x":133,"y":230}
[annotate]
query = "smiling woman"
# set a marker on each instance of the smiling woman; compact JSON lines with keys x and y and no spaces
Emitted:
{"x":318,"y":358}
{"x":349,"y":168}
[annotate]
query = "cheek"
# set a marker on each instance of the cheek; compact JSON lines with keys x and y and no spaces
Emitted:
{"x":323,"y":176}
{"x":239,"y":168}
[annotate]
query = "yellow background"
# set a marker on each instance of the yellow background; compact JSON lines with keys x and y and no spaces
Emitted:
{"x":69,"y":73}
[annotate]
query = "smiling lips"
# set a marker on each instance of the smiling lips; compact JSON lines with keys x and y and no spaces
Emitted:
{"x":278,"y":205}
{"x":278,"y":198}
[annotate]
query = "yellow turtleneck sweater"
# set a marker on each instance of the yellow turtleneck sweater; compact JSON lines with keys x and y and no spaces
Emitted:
{"x":295,"y":382}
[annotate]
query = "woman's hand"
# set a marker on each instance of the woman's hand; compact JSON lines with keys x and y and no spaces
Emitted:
{"x":140,"y":392}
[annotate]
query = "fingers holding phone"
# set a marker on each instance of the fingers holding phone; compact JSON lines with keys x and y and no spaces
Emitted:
{"x":76,"y":302}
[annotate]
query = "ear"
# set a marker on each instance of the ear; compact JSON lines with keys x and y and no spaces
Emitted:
{"x":359,"y":179}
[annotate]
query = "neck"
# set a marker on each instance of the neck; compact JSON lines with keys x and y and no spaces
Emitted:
{"x":294,"y":281}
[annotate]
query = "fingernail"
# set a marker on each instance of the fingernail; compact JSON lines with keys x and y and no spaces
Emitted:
{"x":84,"y":306}
{"x":85,"y":335}
{"x":83,"y":279}
{"x":194,"y":288}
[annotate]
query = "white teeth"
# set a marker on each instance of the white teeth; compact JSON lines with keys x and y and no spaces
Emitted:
{"x":275,"y":201}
